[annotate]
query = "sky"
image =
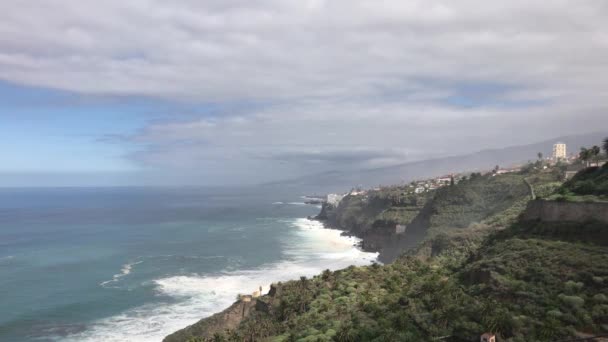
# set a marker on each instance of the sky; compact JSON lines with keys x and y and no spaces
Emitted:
{"x":216,"y":92}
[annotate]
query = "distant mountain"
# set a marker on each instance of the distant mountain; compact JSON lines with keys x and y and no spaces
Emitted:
{"x":478,"y":161}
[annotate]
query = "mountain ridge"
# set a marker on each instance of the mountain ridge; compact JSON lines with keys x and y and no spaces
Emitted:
{"x":336,"y":180}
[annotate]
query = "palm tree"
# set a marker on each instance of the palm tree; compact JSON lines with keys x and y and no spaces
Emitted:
{"x":304,"y":294}
{"x":595,"y":152}
{"x":584,"y":155}
{"x":539,"y":155}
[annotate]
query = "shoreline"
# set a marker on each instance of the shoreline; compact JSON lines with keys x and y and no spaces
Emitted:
{"x":349,"y":239}
{"x":341,"y":251}
{"x":308,"y":248}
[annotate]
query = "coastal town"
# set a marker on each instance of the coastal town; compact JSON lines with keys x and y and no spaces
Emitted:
{"x":467,"y":256}
{"x":569,"y":163}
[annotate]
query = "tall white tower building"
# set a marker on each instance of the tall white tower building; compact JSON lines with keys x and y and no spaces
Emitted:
{"x":559,"y":151}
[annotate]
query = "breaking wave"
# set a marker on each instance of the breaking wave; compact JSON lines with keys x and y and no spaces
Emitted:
{"x":124,"y":271}
{"x":309,"y":250}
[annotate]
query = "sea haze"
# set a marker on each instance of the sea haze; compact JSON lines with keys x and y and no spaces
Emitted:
{"x":117,"y":264}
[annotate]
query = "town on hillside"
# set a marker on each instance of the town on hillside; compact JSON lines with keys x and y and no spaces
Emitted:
{"x":567,"y":163}
{"x":505,"y":254}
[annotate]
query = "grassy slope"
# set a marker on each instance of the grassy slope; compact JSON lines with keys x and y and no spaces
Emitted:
{"x":525,"y":288}
{"x":590,"y":184}
{"x":529,"y":282}
{"x":470,"y":201}
{"x":359,"y":214}
{"x":461,"y":206}
{"x":475,"y":199}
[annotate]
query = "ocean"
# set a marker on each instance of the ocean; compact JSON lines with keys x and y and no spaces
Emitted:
{"x":136,"y":264}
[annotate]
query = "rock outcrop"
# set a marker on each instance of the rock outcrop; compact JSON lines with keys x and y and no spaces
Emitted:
{"x":218,"y":323}
{"x":230,"y":318}
{"x":358,"y":216}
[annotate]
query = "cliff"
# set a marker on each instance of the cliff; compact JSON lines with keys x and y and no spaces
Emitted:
{"x":219,"y":323}
{"x":518,"y":283}
{"x":525,"y":280}
{"x":373,"y":216}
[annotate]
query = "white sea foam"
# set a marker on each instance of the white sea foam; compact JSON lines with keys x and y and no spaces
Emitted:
{"x":290,"y":203}
{"x":125,"y":270}
{"x":296,"y":203}
{"x":310,"y":251}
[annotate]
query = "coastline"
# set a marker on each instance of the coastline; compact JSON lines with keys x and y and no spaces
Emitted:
{"x":342,"y":250}
{"x":383,"y":239}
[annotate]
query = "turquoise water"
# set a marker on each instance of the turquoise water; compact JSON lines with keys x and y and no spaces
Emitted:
{"x":135,"y":264}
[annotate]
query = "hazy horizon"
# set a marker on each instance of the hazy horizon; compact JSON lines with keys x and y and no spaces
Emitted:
{"x":503,"y":155}
{"x":151,"y":93}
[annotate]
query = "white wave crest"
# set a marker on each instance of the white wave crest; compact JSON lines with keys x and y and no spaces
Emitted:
{"x":290,"y":203}
{"x":311,"y":249}
{"x":125,"y":270}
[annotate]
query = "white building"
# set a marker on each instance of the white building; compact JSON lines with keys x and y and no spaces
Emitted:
{"x":444,"y":180}
{"x":559,"y":151}
{"x":334,"y":199}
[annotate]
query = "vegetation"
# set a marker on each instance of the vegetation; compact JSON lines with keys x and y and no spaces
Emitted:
{"x":377,"y":209}
{"x":481,"y":270}
{"x":590,"y":184}
{"x":497,"y":199}
{"x":460,"y":205}
{"x":525,"y":288}
{"x":474,"y":200}
{"x":593,"y":154}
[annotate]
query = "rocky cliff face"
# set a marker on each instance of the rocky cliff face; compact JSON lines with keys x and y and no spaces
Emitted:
{"x":362,"y":216}
{"x":229,"y":319}
{"x":479,"y":241}
{"x":373,"y":216}
{"x":226,"y":320}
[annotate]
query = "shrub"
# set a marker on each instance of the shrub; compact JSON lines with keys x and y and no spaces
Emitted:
{"x":572,"y":301}
{"x":573,"y":287}
{"x":554,"y":313}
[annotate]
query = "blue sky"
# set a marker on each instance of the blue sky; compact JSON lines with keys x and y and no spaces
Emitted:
{"x":207,"y":93}
{"x":54,"y":131}
{"x":58,"y":137}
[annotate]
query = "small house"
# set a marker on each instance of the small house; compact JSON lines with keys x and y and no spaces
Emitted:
{"x":444,"y":179}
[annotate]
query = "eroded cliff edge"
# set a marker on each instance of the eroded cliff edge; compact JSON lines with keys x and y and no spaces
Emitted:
{"x":532,"y":279}
{"x":392,"y":220}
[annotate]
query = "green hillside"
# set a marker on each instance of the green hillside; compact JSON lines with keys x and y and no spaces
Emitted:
{"x":361,"y":213}
{"x":480,"y":270}
{"x":495,"y":200}
{"x":590,"y":184}
{"x":475,"y":199}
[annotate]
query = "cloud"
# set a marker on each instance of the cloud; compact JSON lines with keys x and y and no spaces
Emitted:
{"x":319,"y":137}
{"x":315,"y":85}
{"x":292,"y":49}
